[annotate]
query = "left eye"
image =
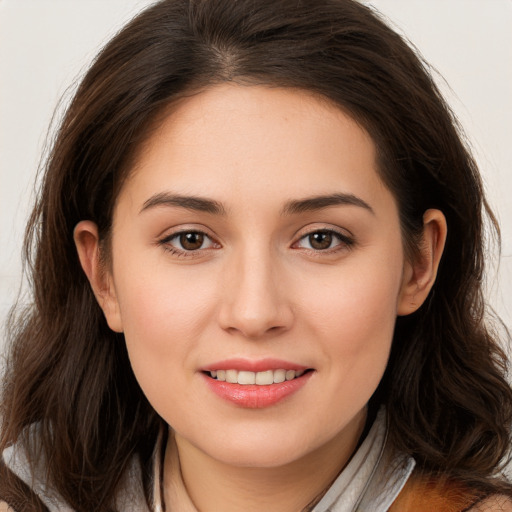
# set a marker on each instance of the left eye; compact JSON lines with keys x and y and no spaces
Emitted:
{"x":322,"y":240}
{"x":190,"y":241}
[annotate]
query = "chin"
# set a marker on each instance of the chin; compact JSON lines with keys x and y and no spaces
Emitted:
{"x":257,"y":450}
{"x":259,"y":457}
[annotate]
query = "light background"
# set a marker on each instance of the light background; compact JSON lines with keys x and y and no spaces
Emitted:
{"x":46,"y":44}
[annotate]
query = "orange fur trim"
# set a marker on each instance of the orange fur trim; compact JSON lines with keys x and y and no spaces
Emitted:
{"x":430,"y":496}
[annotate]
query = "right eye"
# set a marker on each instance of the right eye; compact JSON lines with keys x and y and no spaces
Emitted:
{"x":326,"y":240}
{"x":187,"y":241}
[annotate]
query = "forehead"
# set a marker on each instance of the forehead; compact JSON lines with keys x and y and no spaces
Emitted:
{"x":231,"y":138}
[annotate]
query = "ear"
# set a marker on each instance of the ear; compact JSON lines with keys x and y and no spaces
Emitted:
{"x":419,"y":275}
{"x":88,"y":247}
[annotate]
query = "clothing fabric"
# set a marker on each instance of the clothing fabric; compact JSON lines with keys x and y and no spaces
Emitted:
{"x":371,"y":481}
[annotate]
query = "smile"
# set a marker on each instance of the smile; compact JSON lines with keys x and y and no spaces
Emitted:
{"x":264,"y":378}
{"x":256,"y":389}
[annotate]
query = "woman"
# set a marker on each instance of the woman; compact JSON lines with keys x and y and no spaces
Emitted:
{"x":257,"y":251}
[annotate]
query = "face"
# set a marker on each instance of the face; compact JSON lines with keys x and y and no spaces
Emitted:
{"x":255,"y":242}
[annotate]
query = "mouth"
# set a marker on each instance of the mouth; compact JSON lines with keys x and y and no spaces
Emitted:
{"x":262,"y":378}
{"x":256,"y":389}
{"x":257,"y":383}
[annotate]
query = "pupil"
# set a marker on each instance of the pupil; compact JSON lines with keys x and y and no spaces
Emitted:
{"x":191,"y":241}
{"x":320,"y":240}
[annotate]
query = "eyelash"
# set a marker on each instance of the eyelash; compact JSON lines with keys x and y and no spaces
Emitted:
{"x":166,"y":243}
{"x":344,"y":242}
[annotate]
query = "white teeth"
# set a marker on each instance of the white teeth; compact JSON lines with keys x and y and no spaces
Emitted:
{"x":265,"y":378}
{"x":232,"y":376}
{"x":279,"y":376}
{"x":246,"y":378}
{"x":259,"y":378}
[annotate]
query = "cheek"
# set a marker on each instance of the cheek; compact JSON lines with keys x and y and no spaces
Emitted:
{"x":353,"y":316}
{"x":162,"y":326}
{"x":356,"y":300}
{"x":164,"y":315}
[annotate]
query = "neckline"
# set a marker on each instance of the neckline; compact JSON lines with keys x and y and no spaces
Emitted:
{"x":364,"y":481}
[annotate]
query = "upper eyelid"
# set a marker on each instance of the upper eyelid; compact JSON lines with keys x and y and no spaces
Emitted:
{"x":170,"y":233}
{"x":168,"y":239}
{"x":308,"y":230}
{"x":176,"y":234}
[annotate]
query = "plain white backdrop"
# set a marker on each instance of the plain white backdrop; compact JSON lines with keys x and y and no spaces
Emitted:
{"x":46,"y":45}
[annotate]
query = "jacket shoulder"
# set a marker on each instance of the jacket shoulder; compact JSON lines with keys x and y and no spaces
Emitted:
{"x":432,"y":496}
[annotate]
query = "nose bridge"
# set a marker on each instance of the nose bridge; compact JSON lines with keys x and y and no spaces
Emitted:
{"x":254,"y":302}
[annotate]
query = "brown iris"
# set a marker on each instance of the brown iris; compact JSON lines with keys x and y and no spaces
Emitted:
{"x":320,"y":240}
{"x":192,"y":241}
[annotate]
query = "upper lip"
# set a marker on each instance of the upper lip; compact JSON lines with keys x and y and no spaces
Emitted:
{"x":250,"y":365}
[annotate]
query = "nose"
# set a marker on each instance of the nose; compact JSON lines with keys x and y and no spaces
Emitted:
{"x":254,"y":295}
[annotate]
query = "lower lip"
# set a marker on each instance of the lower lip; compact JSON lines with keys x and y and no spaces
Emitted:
{"x":252,"y":396}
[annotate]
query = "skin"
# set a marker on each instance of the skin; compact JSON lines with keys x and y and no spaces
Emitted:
{"x":257,"y":287}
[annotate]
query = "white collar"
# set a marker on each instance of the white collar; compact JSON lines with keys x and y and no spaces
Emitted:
{"x":370,"y":481}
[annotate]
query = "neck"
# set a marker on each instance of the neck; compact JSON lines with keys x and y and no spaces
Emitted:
{"x":214,"y":485}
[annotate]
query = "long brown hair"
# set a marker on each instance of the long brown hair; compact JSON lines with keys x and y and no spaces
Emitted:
{"x":449,"y":405}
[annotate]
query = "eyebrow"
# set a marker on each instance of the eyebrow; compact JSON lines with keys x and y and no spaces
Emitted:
{"x":194,"y":203}
{"x":211,"y":206}
{"x":325,"y":201}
